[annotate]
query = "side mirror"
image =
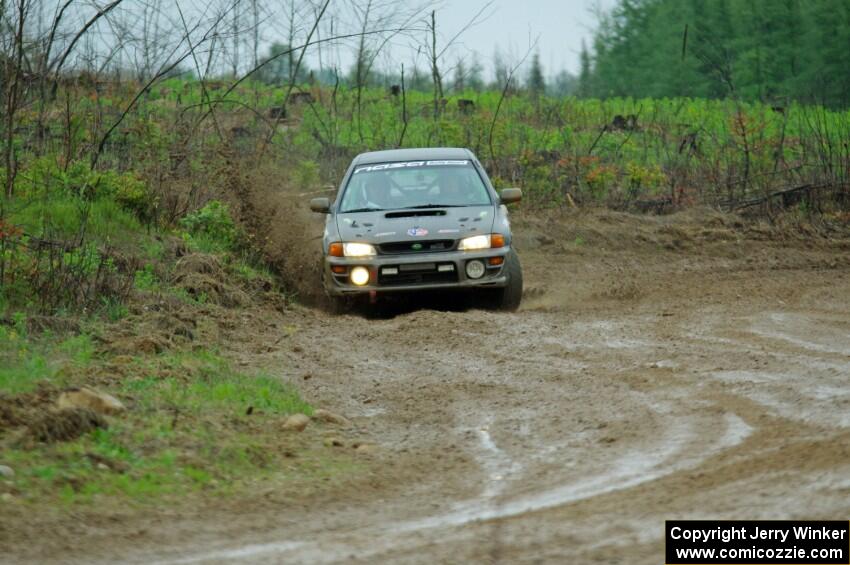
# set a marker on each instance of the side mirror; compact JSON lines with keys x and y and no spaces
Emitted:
{"x":320,"y":205}
{"x":508,"y":195}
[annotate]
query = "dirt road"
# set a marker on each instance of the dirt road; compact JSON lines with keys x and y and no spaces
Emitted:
{"x":659,"y":369}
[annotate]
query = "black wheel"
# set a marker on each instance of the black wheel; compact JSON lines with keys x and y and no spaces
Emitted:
{"x":509,"y":297}
{"x":353,"y":305}
{"x":336,"y":305}
{"x":339,"y":305}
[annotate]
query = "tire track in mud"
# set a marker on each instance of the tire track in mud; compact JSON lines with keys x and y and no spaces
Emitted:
{"x":681,"y":445}
{"x":569,"y":431}
{"x":633,"y":469}
{"x":643,"y":380}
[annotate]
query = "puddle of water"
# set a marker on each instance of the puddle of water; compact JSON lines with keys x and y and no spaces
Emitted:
{"x":246,"y":552}
{"x":371,"y":412}
{"x":495,"y":462}
{"x":827,"y":341}
{"x":576,"y":336}
{"x":637,"y":466}
{"x":791,"y":397}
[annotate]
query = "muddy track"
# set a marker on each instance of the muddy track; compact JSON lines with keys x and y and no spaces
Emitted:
{"x":637,"y":384}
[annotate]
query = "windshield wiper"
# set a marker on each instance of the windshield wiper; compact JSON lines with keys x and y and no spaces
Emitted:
{"x":362,"y":210}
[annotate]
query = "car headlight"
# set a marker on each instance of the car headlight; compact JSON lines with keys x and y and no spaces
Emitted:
{"x":474,"y":242}
{"x":481,"y":242}
{"x":357,"y":249}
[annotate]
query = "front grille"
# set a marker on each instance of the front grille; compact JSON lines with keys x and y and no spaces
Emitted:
{"x":428,"y":277}
{"x":429,"y":246}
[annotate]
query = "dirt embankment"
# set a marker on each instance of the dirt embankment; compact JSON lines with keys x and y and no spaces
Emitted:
{"x":284,"y":230}
{"x":685,"y":366}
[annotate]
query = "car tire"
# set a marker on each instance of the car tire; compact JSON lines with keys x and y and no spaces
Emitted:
{"x":509,"y":297}
{"x":339,"y":305}
{"x":335,"y":305}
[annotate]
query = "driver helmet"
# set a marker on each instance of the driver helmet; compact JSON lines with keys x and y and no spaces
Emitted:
{"x":451,"y":188}
{"x":377,"y":190}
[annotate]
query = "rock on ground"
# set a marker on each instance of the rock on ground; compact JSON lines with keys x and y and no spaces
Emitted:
{"x":89,"y":399}
{"x":296,"y":422}
{"x":322,"y":415}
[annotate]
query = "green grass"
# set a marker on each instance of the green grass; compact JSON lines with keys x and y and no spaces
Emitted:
{"x":113,"y":309}
{"x":152,"y":249}
{"x":250,"y":271}
{"x":63,"y":216}
{"x":209,"y":384}
{"x":146,"y":279}
{"x":186,"y":431}
{"x":24,"y":362}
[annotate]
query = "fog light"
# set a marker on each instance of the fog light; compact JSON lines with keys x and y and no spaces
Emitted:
{"x":474,"y":269}
{"x":359,"y":276}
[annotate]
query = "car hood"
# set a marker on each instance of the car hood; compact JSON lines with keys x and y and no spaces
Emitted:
{"x":415,"y":225}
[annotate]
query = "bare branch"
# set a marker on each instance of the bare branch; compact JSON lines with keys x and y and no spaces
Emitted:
{"x":57,"y":66}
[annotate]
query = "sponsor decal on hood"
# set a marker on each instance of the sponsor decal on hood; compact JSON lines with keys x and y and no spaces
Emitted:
{"x":408,"y":164}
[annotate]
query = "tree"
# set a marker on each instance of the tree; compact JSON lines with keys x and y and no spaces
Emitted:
{"x":500,"y":69}
{"x":459,"y":82}
{"x":475,"y":76}
{"x":279,"y":67}
{"x":769,"y":50}
{"x":564,"y":84}
{"x":536,"y":83}
{"x":584,"y":88}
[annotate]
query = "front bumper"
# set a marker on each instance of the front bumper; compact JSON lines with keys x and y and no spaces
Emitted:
{"x":414,"y":271}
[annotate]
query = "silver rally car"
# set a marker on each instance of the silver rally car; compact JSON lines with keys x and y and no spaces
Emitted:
{"x":409,"y":220}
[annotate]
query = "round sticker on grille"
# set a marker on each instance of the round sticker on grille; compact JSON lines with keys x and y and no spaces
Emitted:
{"x":417,"y":231}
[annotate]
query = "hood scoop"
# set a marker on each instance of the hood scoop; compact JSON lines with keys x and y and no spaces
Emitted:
{"x":413,"y":213}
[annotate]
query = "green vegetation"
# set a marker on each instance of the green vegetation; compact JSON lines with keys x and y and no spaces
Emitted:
{"x":25,"y":362}
{"x":767,"y":50}
{"x":210,"y":229}
{"x":187,"y":430}
{"x":76,"y":237}
{"x":611,"y":152}
{"x":83,"y":249}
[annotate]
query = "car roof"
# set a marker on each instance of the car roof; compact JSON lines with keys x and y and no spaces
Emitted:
{"x":418,"y":154}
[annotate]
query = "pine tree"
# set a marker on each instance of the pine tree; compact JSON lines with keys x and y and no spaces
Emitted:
{"x":459,"y":81}
{"x":826,"y":58}
{"x":564,"y":84}
{"x":475,"y":76}
{"x":584,"y":88}
{"x":769,"y":50}
{"x":500,"y":70}
{"x":536,"y":83}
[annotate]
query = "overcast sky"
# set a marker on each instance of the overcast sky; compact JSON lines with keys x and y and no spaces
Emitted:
{"x":559,"y":25}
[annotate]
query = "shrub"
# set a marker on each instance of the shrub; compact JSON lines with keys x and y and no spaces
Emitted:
{"x":211,"y":228}
{"x":130,"y":192}
{"x":306,"y":174}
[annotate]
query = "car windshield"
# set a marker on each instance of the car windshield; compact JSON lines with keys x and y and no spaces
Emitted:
{"x":414,"y":184}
